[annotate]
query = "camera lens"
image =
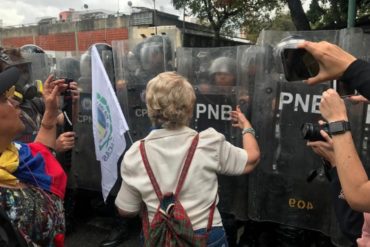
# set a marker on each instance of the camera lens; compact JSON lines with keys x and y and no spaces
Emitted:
{"x":306,"y":130}
{"x":311,"y":131}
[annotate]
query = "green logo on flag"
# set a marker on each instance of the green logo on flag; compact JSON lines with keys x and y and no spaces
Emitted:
{"x":104,"y":126}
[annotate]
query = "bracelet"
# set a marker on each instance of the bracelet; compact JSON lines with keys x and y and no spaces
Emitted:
{"x":249,"y":130}
{"x":47,"y":126}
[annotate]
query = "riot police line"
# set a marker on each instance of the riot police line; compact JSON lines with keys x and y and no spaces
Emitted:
{"x":250,"y":76}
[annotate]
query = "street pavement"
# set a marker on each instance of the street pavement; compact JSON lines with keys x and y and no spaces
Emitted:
{"x":91,"y":232}
{"x":93,"y":221}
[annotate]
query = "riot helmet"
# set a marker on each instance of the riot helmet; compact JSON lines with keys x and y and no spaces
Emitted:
{"x":223,"y":71}
{"x":40,"y":62}
{"x":106,"y":55}
{"x":68,"y":67}
{"x":155,"y":54}
{"x":31,"y":49}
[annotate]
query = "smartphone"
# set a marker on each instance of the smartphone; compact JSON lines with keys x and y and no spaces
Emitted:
{"x":298,"y":64}
{"x":343,"y":89}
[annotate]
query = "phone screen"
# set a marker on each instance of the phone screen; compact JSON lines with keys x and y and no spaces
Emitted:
{"x":299,"y":64}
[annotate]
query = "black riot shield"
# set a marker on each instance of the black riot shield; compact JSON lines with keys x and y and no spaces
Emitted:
{"x":68,"y":68}
{"x":220,"y":79}
{"x":290,"y":186}
{"x":85,"y":168}
{"x":137,"y":63}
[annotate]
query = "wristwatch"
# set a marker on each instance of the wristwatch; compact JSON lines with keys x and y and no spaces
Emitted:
{"x":339,"y":127}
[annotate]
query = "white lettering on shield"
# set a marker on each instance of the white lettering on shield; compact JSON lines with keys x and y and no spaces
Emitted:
{"x":305,"y":103}
{"x":218,"y":112}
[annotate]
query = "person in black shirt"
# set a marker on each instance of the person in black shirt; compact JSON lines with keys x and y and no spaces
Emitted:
{"x":339,"y":148}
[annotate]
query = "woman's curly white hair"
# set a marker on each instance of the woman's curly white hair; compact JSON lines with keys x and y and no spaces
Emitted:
{"x":170,"y":100}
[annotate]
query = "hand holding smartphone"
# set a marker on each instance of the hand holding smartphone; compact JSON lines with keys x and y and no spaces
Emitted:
{"x":299,"y":64}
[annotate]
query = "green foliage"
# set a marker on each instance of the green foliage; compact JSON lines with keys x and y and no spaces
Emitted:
{"x":281,"y":21}
{"x":333,"y":13}
{"x":225,"y":16}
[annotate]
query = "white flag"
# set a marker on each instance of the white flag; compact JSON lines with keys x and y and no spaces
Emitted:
{"x":109,"y":124}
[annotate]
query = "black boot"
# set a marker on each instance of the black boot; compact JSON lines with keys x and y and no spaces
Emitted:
{"x":118,"y":234}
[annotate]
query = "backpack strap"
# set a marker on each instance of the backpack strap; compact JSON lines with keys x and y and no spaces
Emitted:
{"x":210,"y":217}
{"x":188,"y":160}
{"x":184,"y":172}
{"x":150,"y":171}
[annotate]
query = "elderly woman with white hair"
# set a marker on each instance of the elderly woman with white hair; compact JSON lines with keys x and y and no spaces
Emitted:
{"x":171,"y":175}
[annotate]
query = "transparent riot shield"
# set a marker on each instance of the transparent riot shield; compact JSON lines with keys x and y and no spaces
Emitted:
{"x":220,"y":83}
{"x":136,"y":64}
{"x":68,"y":68}
{"x":29,"y":87}
{"x":41,"y":68}
{"x":290,"y":185}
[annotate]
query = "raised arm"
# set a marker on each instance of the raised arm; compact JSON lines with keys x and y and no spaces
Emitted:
{"x":352,"y":175}
{"x":47,"y":132}
{"x":333,"y":60}
{"x":250,"y":144}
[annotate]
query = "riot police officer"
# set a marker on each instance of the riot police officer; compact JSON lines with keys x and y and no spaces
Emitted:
{"x":223,"y":72}
{"x":154,"y":55}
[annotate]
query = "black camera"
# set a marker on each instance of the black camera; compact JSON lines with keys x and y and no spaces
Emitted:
{"x":68,"y":80}
{"x":67,"y":92}
{"x":311,"y":131}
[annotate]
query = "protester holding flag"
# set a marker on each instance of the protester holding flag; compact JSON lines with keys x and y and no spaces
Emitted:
{"x":32,"y":182}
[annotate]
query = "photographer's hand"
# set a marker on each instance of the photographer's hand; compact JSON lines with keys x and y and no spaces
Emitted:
{"x":47,"y":132}
{"x":333,"y":61}
{"x":75,"y":92}
{"x":358,"y":99}
{"x":65,"y":142}
{"x":332,"y":107}
{"x":51,"y":92}
{"x":324,"y":149}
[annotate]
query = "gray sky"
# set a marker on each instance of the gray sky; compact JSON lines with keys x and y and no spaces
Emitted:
{"x":15,"y":12}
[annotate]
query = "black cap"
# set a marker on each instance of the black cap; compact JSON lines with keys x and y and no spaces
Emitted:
{"x":8,"y":78}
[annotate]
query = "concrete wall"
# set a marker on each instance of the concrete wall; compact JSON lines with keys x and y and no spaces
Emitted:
{"x":67,"y":36}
